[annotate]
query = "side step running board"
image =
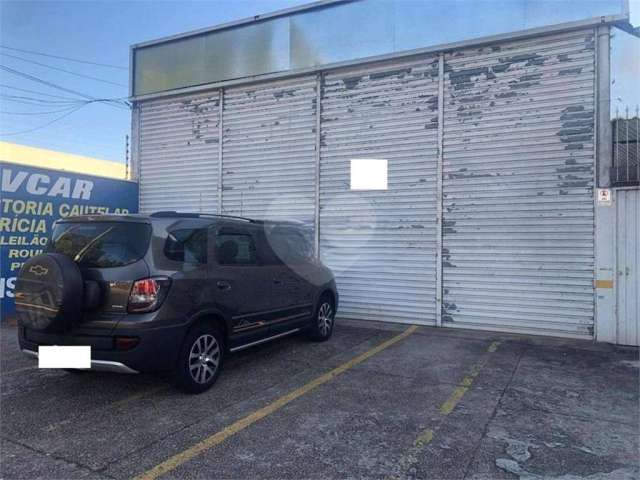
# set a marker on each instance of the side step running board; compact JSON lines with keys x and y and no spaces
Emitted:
{"x":258,"y":342}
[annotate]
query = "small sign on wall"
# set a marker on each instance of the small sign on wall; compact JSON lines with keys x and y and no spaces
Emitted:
{"x":604,"y":197}
{"x":368,"y":174}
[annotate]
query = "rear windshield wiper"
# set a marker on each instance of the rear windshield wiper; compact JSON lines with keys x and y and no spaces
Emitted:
{"x":86,"y":248}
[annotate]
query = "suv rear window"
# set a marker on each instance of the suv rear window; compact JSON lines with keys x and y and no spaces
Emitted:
{"x":101,"y":244}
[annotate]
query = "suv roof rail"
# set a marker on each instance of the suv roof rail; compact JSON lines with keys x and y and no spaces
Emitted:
{"x":173,"y":214}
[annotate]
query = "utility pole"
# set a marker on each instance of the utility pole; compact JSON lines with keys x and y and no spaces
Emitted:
{"x":126,"y":157}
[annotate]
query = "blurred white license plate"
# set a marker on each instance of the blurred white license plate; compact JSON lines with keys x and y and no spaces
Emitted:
{"x":64,"y":357}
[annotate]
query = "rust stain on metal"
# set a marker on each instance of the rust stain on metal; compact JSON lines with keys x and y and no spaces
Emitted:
{"x":604,"y":283}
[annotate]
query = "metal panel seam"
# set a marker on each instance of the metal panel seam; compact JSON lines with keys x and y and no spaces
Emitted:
{"x":596,"y":177}
{"x":317,"y":159}
{"x":602,"y":74}
{"x":616,"y":243}
{"x":138,"y":151}
{"x":439,"y":172}
{"x":220,"y":147}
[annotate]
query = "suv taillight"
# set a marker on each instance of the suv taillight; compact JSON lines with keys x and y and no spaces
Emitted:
{"x":148,"y":294}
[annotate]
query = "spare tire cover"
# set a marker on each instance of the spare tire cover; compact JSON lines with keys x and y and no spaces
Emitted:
{"x":49,"y":293}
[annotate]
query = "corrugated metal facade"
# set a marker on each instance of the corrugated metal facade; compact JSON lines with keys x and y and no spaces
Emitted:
{"x":627,"y":280}
{"x":178,"y":153}
{"x":517,"y":181}
{"x":518,"y":251}
{"x":269,"y":150}
{"x":381,"y":244}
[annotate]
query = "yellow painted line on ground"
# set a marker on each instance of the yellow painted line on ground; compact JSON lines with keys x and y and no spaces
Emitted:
{"x":175,"y":461}
{"x":424,"y":438}
{"x":410,"y":458}
{"x":448,"y":406}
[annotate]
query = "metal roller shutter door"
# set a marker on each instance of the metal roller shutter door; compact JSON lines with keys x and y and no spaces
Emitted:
{"x":269,"y":167}
{"x":178,"y":153}
{"x":518,"y":251}
{"x":381,"y":244}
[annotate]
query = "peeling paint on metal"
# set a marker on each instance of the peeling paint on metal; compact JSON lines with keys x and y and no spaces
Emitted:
{"x":351,"y":83}
{"x":517,"y":178}
{"x":269,"y":150}
{"x":570,"y":71}
{"x":518,"y":187}
{"x":175,"y":131}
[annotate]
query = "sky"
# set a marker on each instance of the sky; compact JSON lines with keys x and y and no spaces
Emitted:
{"x":99,"y":32}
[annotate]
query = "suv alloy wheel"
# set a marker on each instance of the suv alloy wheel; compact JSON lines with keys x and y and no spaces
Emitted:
{"x":200,"y":359}
{"x":322,"y":326}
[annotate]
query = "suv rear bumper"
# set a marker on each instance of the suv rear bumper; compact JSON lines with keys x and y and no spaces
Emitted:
{"x":157,"y":349}
{"x":98,"y":365}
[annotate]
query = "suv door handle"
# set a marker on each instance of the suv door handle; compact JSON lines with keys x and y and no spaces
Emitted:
{"x":222,"y":285}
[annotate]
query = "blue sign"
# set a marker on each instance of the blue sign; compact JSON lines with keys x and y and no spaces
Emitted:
{"x":33,"y":198}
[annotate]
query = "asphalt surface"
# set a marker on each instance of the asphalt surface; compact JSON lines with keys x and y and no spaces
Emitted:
{"x":436,"y":403}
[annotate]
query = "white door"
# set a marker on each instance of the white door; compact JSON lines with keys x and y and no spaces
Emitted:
{"x":627,"y":286}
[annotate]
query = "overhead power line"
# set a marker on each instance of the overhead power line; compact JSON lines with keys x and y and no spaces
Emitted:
{"x":60,"y":57}
{"x":116,"y":102}
{"x":41,"y":101}
{"x":32,"y":91}
{"x":44,"y":82}
{"x":90,"y":77}
{"x":4,"y":112}
{"x":57,"y":119}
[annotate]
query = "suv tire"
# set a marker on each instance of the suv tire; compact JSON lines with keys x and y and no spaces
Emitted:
{"x":200,"y":359}
{"x":323,"y":319}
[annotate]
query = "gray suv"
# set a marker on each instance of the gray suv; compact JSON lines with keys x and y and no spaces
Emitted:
{"x":172,"y":291}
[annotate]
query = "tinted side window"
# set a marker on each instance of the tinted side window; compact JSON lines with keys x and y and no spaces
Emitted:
{"x":189,"y":246}
{"x":235,"y":249}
